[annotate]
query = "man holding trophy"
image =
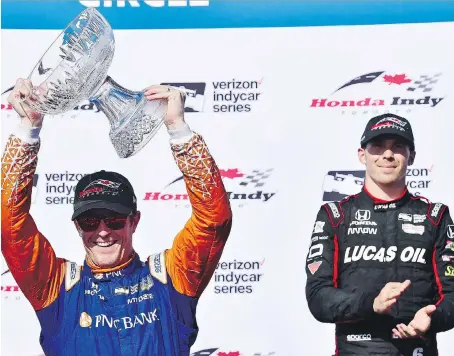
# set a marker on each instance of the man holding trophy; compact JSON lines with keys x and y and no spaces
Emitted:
{"x":114,"y":304}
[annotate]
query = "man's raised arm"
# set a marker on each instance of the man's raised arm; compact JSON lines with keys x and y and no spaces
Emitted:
{"x":28,"y":254}
{"x":197,"y":248}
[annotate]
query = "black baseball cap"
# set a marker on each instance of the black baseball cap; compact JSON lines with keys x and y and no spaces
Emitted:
{"x":104,"y":190}
{"x":388,"y":124}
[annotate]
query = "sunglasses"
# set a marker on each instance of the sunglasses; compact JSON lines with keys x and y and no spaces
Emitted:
{"x":91,"y":222}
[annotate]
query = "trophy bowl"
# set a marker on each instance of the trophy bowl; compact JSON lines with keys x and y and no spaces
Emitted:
{"x":74,"y":69}
{"x":74,"y":66}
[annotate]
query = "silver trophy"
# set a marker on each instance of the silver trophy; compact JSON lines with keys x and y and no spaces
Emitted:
{"x":74,"y":69}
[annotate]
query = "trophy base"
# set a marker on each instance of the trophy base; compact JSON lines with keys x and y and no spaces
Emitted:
{"x":136,"y":130}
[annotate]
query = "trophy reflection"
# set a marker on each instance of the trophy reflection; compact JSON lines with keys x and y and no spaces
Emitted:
{"x":74,"y":69}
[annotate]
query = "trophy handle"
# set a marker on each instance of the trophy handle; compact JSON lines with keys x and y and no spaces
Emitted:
{"x":133,"y":119}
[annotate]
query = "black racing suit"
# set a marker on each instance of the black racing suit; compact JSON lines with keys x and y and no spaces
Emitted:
{"x":358,"y":245}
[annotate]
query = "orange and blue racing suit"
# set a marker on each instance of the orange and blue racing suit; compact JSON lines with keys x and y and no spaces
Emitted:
{"x":139,"y":308}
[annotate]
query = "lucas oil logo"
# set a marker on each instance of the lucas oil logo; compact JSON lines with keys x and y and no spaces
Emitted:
{"x":373,"y":253}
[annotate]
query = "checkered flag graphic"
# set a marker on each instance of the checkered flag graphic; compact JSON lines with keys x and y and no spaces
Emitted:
{"x":257,"y":178}
{"x":425,"y":83}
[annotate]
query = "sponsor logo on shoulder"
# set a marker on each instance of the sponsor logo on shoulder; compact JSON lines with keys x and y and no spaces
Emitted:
{"x":436,"y":209}
{"x":334,"y":210}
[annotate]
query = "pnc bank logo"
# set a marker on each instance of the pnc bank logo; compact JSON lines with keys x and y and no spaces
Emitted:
{"x":139,"y":3}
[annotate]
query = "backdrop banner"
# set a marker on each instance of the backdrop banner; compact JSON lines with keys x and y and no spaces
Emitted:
{"x":282,"y":109}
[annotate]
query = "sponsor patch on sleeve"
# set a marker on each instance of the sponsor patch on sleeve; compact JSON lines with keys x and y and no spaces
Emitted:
{"x":314,"y":266}
{"x":158,"y":267}
{"x":72,"y":275}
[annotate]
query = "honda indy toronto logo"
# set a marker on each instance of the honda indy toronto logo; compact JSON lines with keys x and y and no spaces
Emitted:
{"x":380,"y":92}
{"x":243,"y":187}
{"x":338,"y":185}
{"x":216,"y":351}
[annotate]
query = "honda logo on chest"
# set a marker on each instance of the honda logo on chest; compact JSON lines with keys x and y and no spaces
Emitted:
{"x":362,"y":215}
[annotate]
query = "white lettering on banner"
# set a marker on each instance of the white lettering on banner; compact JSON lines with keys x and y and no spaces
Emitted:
{"x":363,"y":337}
{"x":316,"y":250}
{"x":151,"y":3}
{"x":362,"y":230}
{"x":126,"y":322}
{"x":370,"y":253}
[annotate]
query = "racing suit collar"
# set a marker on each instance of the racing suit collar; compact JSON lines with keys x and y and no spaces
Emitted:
{"x":108,"y":274}
{"x":384,"y":205}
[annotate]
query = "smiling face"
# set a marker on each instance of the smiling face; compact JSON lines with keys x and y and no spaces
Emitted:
{"x":107,"y":236}
{"x":386,"y":159}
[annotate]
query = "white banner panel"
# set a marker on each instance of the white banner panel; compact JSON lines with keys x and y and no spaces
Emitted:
{"x":282,"y":111}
